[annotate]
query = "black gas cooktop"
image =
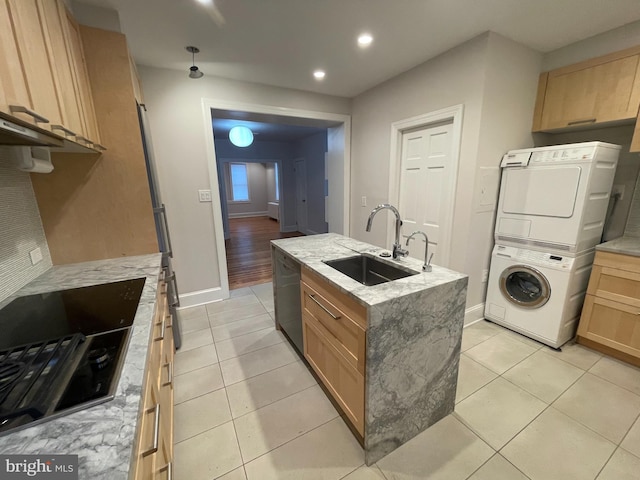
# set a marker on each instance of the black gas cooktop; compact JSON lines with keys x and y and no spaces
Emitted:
{"x":63,"y":351}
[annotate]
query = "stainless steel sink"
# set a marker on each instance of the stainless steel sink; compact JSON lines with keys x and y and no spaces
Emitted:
{"x":368,"y":270}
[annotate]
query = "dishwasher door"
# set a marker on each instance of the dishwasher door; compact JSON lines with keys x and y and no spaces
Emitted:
{"x":287,"y":301}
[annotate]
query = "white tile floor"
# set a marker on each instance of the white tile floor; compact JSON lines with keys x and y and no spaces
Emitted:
{"x":247,"y":408}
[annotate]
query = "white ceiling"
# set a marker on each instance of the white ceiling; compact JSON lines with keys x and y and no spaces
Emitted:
{"x":280,"y":42}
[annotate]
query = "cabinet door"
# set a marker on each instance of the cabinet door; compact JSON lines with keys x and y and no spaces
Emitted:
{"x":55,"y":19}
{"x":615,"y":325}
{"x":13,"y":85}
{"x":84,"y":94}
{"x":32,"y":37}
{"x":588,"y":94}
{"x":344,"y":382}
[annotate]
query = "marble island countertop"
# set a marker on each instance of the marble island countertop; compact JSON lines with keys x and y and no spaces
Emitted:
{"x":101,"y":436}
{"x":413,"y":337}
{"x":312,"y":251}
{"x":623,"y":246}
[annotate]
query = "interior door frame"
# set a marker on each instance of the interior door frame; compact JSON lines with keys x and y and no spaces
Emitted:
{"x":296,"y":161}
{"x":454,"y":114}
{"x":342,"y":121}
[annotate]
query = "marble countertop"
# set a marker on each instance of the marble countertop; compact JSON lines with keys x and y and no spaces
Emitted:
{"x":622,"y":245}
{"x":312,"y":250}
{"x":102,"y":436}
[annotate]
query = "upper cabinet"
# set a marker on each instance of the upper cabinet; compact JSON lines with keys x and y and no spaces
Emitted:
{"x":43,"y":79}
{"x":603,"y":90}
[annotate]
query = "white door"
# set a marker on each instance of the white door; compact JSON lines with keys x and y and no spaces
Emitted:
{"x":426,"y":189}
{"x":301,"y":195}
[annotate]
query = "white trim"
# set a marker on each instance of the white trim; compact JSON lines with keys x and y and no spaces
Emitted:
{"x":207,"y":105}
{"x":193,"y":299}
{"x":454,"y":114}
{"x":249,"y":214}
{"x":474,"y":314}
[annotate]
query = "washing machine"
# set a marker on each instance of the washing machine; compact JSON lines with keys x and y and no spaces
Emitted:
{"x":538,"y":294}
{"x":555,"y":198}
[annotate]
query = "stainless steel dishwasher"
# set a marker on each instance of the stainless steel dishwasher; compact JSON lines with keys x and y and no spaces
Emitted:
{"x":287,"y":298}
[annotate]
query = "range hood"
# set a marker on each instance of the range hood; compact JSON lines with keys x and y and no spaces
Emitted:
{"x":12,"y":133}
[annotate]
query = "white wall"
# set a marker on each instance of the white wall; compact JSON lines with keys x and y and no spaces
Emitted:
{"x":495,"y":79}
{"x":271,"y":182}
{"x":174,"y":104}
{"x":257,"y":204}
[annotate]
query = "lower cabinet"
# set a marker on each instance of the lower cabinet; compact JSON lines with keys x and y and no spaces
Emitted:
{"x":610,"y":319}
{"x":334,"y":333}
{"x":154,"y":448}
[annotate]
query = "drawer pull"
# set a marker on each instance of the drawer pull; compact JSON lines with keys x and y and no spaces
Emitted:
{"x":578,"y":122}
{"x":64,"y":130}
{"x":36,"y":116}
{"x":162,"y":329}
{"x":156,"y":432}
{"x":323,"y":307}
{"x":169,"y":366}
{"x":169,"y":468}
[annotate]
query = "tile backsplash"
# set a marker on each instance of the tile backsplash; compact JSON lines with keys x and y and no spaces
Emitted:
{"x":633,"y":223}
{"x":20,"y":228}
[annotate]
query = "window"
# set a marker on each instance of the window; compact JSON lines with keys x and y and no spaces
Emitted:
{"x":239,"y":182}
{"x":277,"y":184}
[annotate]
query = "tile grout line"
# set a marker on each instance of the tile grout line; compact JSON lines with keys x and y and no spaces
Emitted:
{"x":271,"y":403}
{"x":296,"y":437}
{"x":246,"y":317}
{"x":606,"y":379}
{"x":253,"y":376}
{"x":235,"y":431}
{"x":199,"y":368}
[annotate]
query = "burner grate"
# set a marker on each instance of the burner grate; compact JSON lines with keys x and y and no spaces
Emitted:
{"x":28,"y":372}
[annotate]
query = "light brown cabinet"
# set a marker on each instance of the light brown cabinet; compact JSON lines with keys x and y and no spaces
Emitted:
{"x":610,"y":320}
{"x":43,"y":80}
{"x":603,"y":90}
{"x":153,"y":455}
{"x":334,"y":333}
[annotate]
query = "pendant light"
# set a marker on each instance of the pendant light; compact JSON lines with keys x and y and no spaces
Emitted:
{"x":194,"y":71}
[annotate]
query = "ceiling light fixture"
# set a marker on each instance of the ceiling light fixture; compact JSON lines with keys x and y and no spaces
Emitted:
{"x":364,"y":40}
{"x":319,"y":74}
{"x":194,"y":71}
{"x":241,"y":136}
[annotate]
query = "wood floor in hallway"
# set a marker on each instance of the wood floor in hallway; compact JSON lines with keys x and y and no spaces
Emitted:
{"x":248,"y":250}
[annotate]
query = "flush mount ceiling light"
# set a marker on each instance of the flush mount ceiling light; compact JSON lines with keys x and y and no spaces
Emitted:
{"x":319,"y":74}
{"x":364,"y":40}
{"x":241,"y":136}
{"x":194,"y":71}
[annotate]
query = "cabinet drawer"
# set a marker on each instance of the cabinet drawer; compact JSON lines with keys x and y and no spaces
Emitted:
{"x":616,"y":285}
{"x":344,"y":382}
{"x":344,"y":333}
{"x":614,"y":324}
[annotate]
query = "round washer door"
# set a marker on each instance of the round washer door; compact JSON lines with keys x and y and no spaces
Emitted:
{"x":525,"y":286}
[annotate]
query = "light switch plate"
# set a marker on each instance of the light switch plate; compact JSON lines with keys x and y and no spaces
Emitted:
{"x":363,"y":201}
{"x":36,"y":256}
{"x":204,"y":195}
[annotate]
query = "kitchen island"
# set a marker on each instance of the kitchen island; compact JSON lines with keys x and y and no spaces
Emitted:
{"x":412,"y":330}
{"x":102,"y":436}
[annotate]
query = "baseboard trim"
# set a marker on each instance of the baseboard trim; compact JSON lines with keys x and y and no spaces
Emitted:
{"x":248,"y":214}
{"x":289,"y":228}
{"x":474,"y":314}
{"x":193,"y":299}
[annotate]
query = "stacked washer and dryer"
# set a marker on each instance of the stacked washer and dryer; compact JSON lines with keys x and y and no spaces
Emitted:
{"x":551,"y":214}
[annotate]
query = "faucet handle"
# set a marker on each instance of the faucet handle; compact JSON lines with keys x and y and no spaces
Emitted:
{"x":398,"y":251}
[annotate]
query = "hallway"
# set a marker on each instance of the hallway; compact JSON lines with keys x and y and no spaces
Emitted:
{"x":249,"y":251}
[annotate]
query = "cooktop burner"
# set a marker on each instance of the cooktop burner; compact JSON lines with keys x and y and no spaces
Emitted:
{"x":62,"y":351}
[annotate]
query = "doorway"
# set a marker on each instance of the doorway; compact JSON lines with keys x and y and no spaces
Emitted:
{"x":300,"y":170}
{"x":424,"y":168}
{"x":338,"y":129}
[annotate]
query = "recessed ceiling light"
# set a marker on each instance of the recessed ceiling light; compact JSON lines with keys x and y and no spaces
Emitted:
{"x":319,"y":74}
{"x":205,"y":2}
{"x":365,"y":39}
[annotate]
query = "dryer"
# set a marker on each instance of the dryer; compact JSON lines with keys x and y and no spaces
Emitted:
{"x":555,"y":198}
{"x":538,"y":294}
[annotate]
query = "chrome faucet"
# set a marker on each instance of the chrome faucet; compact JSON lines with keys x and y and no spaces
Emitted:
{"x":427,"y":264}
{"x":397,"y":247}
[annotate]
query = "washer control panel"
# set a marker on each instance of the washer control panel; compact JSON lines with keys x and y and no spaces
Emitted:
{"x":534,"y":258}
{"x":579,"y":154}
